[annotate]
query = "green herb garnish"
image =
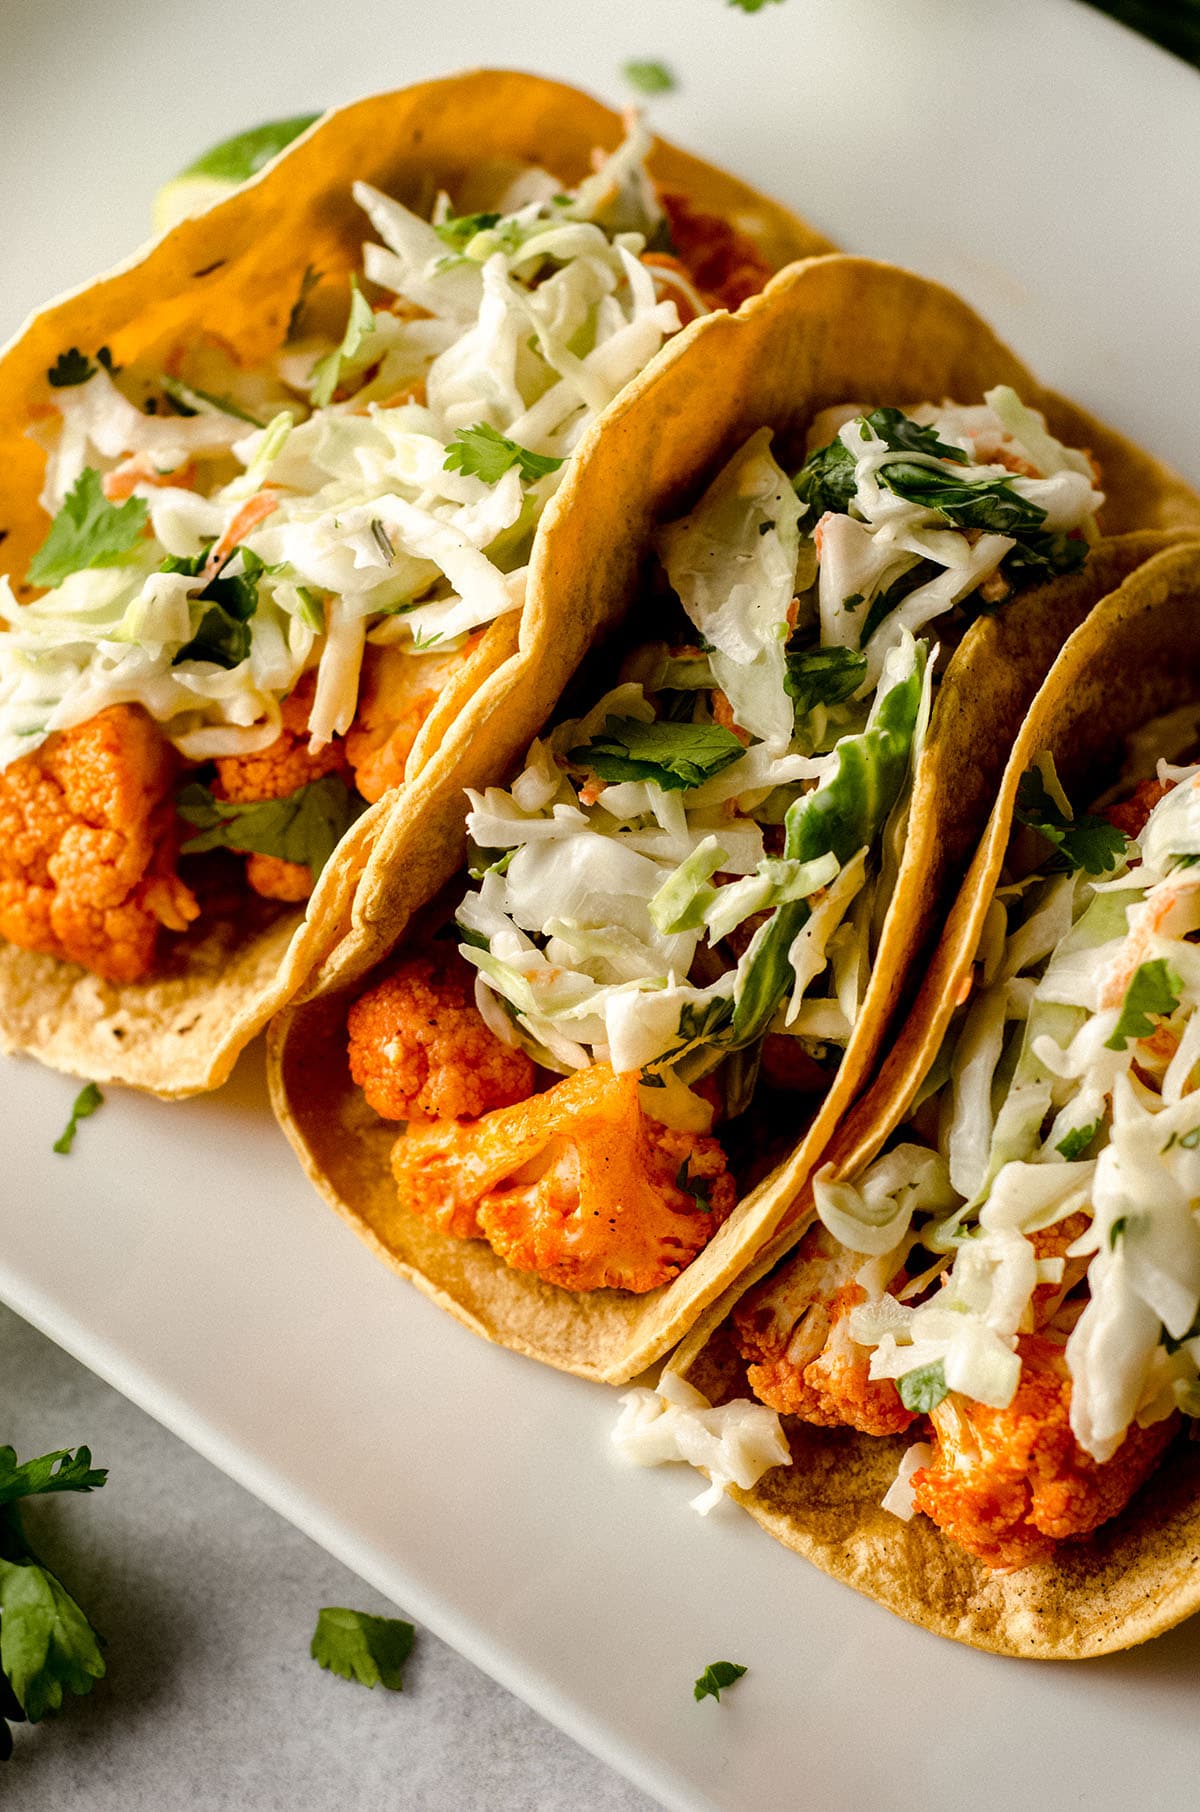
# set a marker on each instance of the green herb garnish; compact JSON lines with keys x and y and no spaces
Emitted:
{"x":482,"y":452}
{"x":716,"y":1676}
{"x":88,"y":531}
{"x":87,"y":1101}
{"x":1152,"y":994}
{"x":675,"y":756}
{"x":371,"y":1650}
{"x":305,"y":826}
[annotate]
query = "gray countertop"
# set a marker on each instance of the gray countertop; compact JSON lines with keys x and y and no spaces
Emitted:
{"x":207,"y":1600}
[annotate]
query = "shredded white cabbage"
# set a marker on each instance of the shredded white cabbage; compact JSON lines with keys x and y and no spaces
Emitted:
{"x":734,"y":1443}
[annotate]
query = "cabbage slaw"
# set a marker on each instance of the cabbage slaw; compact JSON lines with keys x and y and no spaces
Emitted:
{"x":525,"y":321}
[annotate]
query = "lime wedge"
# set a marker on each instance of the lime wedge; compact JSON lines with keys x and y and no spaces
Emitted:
{"x":223,"y":167}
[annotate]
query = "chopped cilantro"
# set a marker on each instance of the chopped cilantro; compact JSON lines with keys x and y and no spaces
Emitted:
{"x":482,"y":452}
{"x":87,"y":1101}
{"x":987,"y":503}
{"x":752,"y":6}
{"x":696,"y":1187}
{"x":826,"y":479}
{"x":327,"y":372}
{"x":1073,"y":1144}
{"x":88,"y":531}
{"x":46,"y":1643}
{"x":70,"y":368}
{"x":923,"y":1389}
{"x":188,"y":395}
{"x":223,"y":636}
{"x":458,"y":230}
{"x":675,"y":756}
{"x":649,"y":77}
{"x":1152,"y":994}
{"x":371,"y":1650}
{"x":305,"y":826}
{"x":308,"y":282}
{"x":1086,"y":841}
{"x":823,"y":676}
{"x":716,"y":1676}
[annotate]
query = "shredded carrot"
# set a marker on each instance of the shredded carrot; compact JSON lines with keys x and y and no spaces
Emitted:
{"x":248,"y":517}
{"x":123,"y":480}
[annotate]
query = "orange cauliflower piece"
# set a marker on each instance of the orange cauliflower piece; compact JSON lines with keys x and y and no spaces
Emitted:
{"x":575,"y":1185}
{"x":722,"y":263}
{"x":398,"y":691}
{"x":87,"y":851}
{"x":1007,"y":1484}
{"x":1129,"y":815}
{"x":793,"y":1329}
{"x":282,"y":768}
{"x":421,"y":1050}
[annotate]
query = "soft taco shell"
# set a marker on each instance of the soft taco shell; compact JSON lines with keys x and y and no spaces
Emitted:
{"x":1136,"y":655}
{"x":832,"y":330}
{"x":236,"y":270}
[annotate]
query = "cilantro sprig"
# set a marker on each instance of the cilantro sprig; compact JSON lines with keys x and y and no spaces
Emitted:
{"x":716,"y":1677}
{"x":1152,"y":994}
{"x":676,"y":756}
{"x":823,"y":676}
{"x":223,"y":634}
{"x":826,"y":479}
{"x":47,"y":1645}
{"x":1084,"y":841}
{"x":483,"y":452}
{"x":74,"y":367}
{"x":86,"y":1102}
{"x":88,"y":531}
{"x":1073,"y":1144}
{"x":305,"y":826}
{"x":371,"y":1650}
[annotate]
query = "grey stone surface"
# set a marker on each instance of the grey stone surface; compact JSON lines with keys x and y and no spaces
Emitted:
{"x":208,"y":1600}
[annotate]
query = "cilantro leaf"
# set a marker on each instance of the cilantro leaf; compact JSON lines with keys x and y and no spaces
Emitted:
{"x":308,"y":282}
{"x":46,"y":1642}
{"x":1073,"y":1144}
{"x":823,"y":676}
{"x":696,"y":1187}
{"x":717,"y":1674}
{"x":1152,"y":994}
{"x":1086,"y":842}
{"x":305,"y":826}
{"x":371,"y":1650}
{"x":87,"y":1101}
{"x":70,"y":368}
{"x":923,"y":1389}
{"x":63,"y":1470}
{"x":988,"y":503}
{"x":751,"y":6}
{"x":826,"y":479}
{"x":188,"y":395}
{"x":675,"y":756}
{"x":223,"y":635}
{"x":327,"y":372}
{"x":481,"y":452}
{"x":458,"y":230}
{"x":649,"y":77}
{"x":88,"y":531}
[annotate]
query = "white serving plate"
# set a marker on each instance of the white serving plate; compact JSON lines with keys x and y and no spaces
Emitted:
{"x":1042,"y":160}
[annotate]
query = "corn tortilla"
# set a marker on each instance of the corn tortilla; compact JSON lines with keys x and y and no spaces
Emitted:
{"x":236,"y":269}
{"x":1135,"y":656}
{"x":830,"y":330}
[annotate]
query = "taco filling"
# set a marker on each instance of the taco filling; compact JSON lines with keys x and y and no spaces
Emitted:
{"x":673,"y":909}
{"x":1016,"y":1281}
{"x":258,"y":584}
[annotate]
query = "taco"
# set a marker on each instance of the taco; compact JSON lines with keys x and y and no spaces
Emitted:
{"x":985,"y":1346}
{"x":689,"y":913}
{"x":269,"y":511}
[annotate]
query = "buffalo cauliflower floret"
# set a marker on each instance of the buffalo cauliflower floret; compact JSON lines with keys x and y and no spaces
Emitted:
{"x":421,"y":1050}
{"x":87,"y":848}
{"x":1007,"y":1484}
{"x":283,"y":767}
{"x":721,"y":262}
{"x":793,"y":1328}
{"x":398,"y":691}
{"x":574,"y":1184}
{"x":1129,"y":815}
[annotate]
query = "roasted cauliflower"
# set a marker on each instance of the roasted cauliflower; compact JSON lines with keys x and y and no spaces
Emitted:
{"x":87,"y":846}
{"x":574,"y":1184}
{"x":420,"y":1050}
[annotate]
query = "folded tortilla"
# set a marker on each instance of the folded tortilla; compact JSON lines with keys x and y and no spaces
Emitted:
{"x":236,"y":270}
{"x":1136,"y":656}
{"x":833,"y":330}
